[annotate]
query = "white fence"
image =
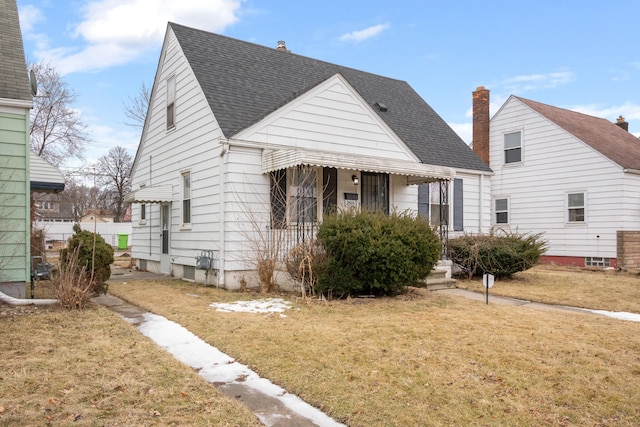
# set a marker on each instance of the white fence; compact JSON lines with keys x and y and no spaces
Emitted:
{"x":59,"y":232}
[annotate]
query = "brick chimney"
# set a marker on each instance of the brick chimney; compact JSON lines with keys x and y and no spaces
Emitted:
{"x":620,"y":121}
{"x":481,"y":123}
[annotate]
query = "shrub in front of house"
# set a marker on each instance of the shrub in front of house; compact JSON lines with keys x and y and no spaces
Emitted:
{"x":83,"y":242}
{"x":306,"y":263}
{"x":502,"y":254}
{"x":375,"y":254}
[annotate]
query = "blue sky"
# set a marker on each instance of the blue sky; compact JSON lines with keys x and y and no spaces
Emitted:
{"x":577,"y":54}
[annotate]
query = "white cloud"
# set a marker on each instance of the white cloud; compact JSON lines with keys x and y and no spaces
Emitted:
{"x":464,"y":131}
{"x":29,"y":16}
{"x":628,"y":110}
{"x":367,"y":33}
{"x":114,"y":32}
{"x":524,"y":83}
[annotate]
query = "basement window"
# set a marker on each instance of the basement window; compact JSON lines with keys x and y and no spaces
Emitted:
{"x":597,"y":262}
{"x":189,"y":272}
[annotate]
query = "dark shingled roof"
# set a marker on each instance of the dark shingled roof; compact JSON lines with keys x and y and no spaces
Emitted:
{"x":600,"y":134}
{"x":244,"y":82}
{"x":14,"y":83}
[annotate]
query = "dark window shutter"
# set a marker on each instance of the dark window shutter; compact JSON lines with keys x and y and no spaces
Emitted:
{"x":423,"y":200}
{"x":458,"y":202}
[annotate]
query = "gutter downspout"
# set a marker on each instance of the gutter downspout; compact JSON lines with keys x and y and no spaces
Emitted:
{"x":18,"y":301}
{"x":481,"y":204}
{"x":222,"y":222}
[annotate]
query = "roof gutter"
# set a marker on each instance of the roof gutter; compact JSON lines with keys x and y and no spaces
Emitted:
{"x":631,"y":171}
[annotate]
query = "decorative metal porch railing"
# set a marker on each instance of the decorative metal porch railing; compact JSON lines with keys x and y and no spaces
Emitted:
{"x":283,"y":240}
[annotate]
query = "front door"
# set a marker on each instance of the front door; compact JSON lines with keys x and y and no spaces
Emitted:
{"x":375,"y":192}
{"x":165,"y":221}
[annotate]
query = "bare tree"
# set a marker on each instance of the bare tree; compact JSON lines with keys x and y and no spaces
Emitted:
{"x":113,"y":172}
{"x":57,"y":130}
{"x":136,"y":108}
{"x":76,"y":198}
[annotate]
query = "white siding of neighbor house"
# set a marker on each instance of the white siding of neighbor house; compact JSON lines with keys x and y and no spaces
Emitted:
{"x":555,"y":163}
{"x":162,"y":157}
{"x":476,"y":203}
{"x":330,"y":117}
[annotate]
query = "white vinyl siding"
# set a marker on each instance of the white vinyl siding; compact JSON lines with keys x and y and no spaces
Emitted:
{"x":556,"y":163}
{"x":163,"y":156}
{"x":330,"y":117}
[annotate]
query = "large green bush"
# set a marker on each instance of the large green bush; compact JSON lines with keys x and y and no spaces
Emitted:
{"x":374,"y":253}
{"x":83,"y":242}
{"x":502,"y":255}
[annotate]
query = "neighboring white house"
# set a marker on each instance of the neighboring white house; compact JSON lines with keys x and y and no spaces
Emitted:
{"x":243,"y":143}
{"x":571,"y":176}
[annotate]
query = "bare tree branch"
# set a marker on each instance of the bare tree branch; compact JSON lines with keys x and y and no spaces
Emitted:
{"x":113,"y":171}
{"x":57,"y":131}
{"x":136,"y":108}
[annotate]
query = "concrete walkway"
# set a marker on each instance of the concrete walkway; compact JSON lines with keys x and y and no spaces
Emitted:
{"x":494,"y":299}
{"x":273,"y":405}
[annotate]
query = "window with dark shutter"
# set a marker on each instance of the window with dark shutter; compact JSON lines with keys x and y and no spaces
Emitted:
{"x":278,"y":192}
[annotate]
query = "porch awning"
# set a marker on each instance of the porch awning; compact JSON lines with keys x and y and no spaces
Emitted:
{"x":44,"y":177}
{"x":416,"y":173}
{"x":153,"y":194}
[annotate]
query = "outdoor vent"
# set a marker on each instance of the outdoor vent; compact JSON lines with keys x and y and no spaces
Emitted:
{"x":380,"y":106}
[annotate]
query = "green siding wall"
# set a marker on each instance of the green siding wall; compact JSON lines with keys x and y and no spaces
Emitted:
{"x":14,"y":197}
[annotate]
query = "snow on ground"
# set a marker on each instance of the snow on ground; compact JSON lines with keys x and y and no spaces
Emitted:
{"x":620,"y":315}
{"x":217,"y":367}
{"x":270,"y":305}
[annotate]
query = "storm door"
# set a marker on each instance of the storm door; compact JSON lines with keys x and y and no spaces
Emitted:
{"x":375,"y":192}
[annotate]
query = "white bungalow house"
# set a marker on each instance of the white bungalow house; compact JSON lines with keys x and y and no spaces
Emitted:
{"x":571,"y":176}
{"x":244,"y":144}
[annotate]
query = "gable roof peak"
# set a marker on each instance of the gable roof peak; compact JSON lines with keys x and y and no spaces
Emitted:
{"x":244,"y":82}
{"x":608,"y":138}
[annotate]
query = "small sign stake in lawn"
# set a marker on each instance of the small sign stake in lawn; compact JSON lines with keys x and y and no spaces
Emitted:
{"x":487,"y":281}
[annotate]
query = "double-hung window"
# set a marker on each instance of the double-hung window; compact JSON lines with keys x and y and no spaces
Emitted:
{"x":171,"y":102}
{"x":186,"y":198}
{"x":502,"y":211}
{"x":575,"y":207}
{"x":305,"y":195}
{"x":513,"y":147}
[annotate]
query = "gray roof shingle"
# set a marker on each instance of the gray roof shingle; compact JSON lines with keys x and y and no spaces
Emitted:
{"x":600,"y":134}
{"x":14,"y":83}
{"x":243,"y":82}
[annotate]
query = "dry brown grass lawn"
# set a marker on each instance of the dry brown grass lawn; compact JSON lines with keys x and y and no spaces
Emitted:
{"x":91,"y":368}
{"x":424,"y":358}
{"x":595,"y":289}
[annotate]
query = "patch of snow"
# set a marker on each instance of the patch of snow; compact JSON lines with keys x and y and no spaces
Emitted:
{"x":216,"y":367}
{"x":621,"y":315}
{"x":270,"y":305}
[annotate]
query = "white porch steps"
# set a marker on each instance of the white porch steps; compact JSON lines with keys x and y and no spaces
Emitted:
{"x":440,"y":277}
